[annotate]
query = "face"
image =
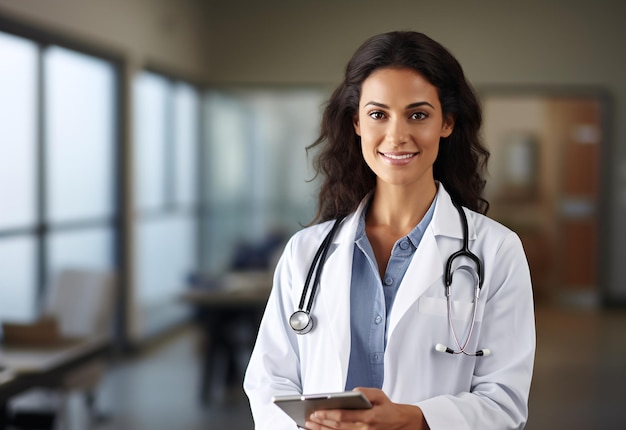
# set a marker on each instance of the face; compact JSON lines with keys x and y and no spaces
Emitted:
{"x":400,"y":123}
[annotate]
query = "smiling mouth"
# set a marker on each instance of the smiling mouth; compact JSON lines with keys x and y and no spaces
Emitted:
{"x":398,"y":156}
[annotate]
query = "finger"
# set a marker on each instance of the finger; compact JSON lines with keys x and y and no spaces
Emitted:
{"x":338,"y":418}
{"x":374,"y":395}
{"x":317,"y":423}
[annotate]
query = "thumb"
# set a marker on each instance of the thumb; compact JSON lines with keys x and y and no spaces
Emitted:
{"x":374,"y":395}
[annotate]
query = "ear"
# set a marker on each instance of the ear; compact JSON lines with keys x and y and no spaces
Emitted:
{"x":356,"y":124}
{"x":448,"y":125}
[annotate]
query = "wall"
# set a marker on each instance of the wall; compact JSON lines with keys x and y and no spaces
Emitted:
{"x":163,"y":33}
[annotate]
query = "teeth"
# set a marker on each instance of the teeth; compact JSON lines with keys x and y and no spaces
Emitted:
{"x":399,"y":157}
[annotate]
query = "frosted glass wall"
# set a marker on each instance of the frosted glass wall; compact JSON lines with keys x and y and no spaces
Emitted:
{"x":257,"y":175}
{"x":165,"y":155}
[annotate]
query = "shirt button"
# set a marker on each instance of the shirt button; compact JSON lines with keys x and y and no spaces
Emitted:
{"x":404,"y":244}
{"x":388,"y":280}
{"x":378,"y":319}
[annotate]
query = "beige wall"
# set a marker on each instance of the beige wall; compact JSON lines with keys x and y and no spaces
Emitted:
{"x":568,"y":42}
{"x":170,"y":34}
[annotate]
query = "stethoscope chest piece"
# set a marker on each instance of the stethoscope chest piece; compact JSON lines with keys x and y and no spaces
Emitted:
{"x":301,"y":322}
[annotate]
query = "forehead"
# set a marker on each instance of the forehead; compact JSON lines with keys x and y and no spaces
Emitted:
{"x":397,"y":85}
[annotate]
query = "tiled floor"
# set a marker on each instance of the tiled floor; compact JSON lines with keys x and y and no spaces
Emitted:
{"x":579,"y":382}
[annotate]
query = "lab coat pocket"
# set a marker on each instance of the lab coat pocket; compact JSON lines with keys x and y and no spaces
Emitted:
{"x":461,"y":310}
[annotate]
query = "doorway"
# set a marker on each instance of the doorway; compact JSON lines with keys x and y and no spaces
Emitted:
{"x":545,"y":183}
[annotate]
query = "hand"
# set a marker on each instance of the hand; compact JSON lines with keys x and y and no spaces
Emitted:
{"x":384,"y":415}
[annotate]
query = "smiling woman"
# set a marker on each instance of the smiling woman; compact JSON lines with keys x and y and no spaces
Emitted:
{"x":402,"y":225}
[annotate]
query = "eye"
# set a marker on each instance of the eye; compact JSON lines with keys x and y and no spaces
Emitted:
{"x":376,"y":114}
{"x":419,"y":115}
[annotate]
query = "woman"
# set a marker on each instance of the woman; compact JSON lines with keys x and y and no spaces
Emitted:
{"x":400,"y":154}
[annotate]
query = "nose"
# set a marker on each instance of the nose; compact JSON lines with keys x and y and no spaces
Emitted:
{"x":397,"y":131}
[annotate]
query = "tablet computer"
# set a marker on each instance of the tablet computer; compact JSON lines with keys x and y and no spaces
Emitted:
{"x":299,"y":407}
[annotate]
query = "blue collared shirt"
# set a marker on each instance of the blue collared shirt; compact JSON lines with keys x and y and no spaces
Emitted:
{"x":371,"y":300}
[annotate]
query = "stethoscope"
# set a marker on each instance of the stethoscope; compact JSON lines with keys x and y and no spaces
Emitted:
{"x":301,"y":321}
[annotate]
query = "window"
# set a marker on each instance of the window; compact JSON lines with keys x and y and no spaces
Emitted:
{"x":256,"y":170}
{"x":18,"y":131}
{"x":18,"y":147}
{"x":79,"y":135}
{"x":58,"y":138}
{"x":166,"y":147}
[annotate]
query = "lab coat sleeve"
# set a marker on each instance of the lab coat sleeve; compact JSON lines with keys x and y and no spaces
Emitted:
{"x":500,"y":385}
{"x":274,"y":364}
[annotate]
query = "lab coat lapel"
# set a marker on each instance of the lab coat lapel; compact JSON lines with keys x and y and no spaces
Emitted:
{"x":427,"y":264}
{"x":336,"y":279}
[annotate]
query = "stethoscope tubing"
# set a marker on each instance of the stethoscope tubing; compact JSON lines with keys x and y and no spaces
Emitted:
{"x":464,"y":251}
{"x":301,"y":320}
{"x":318,"y":261}
{"x":462,"y":347}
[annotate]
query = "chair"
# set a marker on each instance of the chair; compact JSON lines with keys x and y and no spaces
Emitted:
{"x":81,"y":302}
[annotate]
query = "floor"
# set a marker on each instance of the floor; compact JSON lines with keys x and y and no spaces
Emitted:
{"x":579,"y":381}
{"x":160,"y":390}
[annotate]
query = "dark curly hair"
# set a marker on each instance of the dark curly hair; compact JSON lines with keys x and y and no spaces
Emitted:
{"x":462,"y":158}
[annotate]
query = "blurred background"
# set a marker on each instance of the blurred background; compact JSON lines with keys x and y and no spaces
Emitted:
{"x":163,"y":142}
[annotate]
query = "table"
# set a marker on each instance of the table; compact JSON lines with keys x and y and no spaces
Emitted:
{"x":26,"y":367}
{"x":229,"y":319}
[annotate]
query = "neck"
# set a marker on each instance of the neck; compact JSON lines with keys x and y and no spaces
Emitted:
{"x":400,"y":208}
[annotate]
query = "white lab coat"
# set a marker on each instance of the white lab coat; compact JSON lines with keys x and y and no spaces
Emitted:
{"x":453,"y":391}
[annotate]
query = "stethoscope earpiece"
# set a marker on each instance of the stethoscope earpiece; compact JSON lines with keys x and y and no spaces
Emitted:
{"x":301,"y":322}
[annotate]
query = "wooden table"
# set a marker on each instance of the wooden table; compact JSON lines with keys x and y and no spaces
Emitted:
{"x":26,"y":367}
{"x":229,"y":319}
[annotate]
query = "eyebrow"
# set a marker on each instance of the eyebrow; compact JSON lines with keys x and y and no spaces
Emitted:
{"x":411,"y":106}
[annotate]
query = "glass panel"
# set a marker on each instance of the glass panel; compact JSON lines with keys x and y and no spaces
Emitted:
{"x":18,"y":128}
{"x":228,"y":159}
{"x":88,"y":249}
{"x":18,"y":291}
{"x":228,"y":179}
{"x":186,"y":105}
{"x":80,"y":135}
{"x":257,"y":171}
{"x":150,"y":140}
{"x":223,"y":230}
{"x":165,"y":256}
{"x":286,"y":123}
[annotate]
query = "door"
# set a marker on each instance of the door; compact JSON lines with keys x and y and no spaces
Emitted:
{"x":544,"y":183}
